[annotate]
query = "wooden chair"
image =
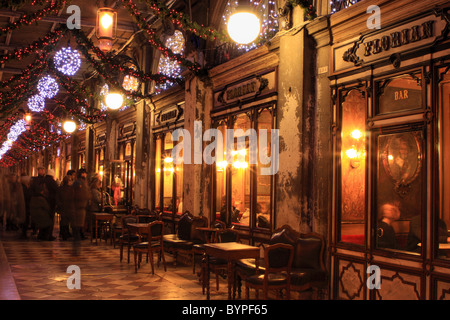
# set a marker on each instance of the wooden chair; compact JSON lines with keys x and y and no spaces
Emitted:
{"x":277,"y":274}
{"x":126,"y":238}
{"x":153,"y":244}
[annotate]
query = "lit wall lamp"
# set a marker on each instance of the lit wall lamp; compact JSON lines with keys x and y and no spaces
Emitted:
{"x":243,"y":26}
{"x":357,"y":152}
{"x":106,"y":28}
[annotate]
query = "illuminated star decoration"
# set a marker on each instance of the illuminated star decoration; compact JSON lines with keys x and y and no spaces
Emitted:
{"x":36,"y":103}
{"x":67,"y":61}
{"x":47,"y":87}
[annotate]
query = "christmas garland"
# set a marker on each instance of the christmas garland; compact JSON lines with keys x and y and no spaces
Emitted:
{"x":310,"y":11}
{"x":155,"y":42}
{"x":180,"y":20}
{"x":28,"y":19}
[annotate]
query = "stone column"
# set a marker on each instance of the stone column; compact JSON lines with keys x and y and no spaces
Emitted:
{"x":197,"y":178}
{"x":295,"y":121}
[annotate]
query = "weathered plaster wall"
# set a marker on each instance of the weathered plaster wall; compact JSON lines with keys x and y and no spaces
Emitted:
{"x":295,"y":119}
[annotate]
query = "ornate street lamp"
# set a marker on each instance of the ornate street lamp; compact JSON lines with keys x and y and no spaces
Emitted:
{"x":106,"y":28}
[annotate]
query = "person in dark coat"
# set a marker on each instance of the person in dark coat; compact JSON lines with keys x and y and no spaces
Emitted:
{"x":65,"y":204}
{"x":39,"y":209}
{"x":52,"y":190}
{"x":82,"y":197}
{"x":16,"y":213}
{"x":27,"y":193}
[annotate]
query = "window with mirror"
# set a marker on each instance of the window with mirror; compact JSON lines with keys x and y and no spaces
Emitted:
{"x":168,"y":176}
{"x":353,"y":166}
{"x":243,"y":192}
{"x":400,"y":206}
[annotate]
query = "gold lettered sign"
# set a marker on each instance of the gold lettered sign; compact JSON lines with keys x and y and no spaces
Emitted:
{"x":245,"y":90}
{"x":383,"y":44}
{"x":169,"y":115}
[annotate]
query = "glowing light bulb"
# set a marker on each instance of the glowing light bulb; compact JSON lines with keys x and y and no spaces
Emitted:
{"x":243,"y":27}
{"x":106,"y":20}
{"x":114,"y":100}
{"x":69,"y":126}
{"x":356,"y":134}
{"x":352,"y":153}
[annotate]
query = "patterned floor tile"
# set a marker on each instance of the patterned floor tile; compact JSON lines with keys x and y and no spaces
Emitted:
{"x":39,"y":271}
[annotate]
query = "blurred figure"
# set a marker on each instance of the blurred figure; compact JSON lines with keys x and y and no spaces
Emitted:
{"x":26,"y":188}
{"x":65,"y":202}
{"x":117,"y":186}
{"x":16,"y":214}
{"x":39,"y":209}
{"x":72,"y":174}
{"x":52,"y":190}
{"x":95,"y":203}
{"x":385,"y":232}
{"x":82,"y":196}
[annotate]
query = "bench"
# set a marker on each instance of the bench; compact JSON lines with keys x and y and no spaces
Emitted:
{"x":187,"y":235}
{"x":308,"y":269}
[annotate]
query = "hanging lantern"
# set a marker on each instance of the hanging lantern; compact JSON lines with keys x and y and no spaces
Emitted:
{"x":106,"y":28}
{"x":69,"y":126}
{"x":27,"y":117}
{"x":130,"y":83}
{"x":114,"y":101}
{"x":243,"y":25}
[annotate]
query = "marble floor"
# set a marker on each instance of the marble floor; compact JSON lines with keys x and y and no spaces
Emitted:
{"x":37,"y":270}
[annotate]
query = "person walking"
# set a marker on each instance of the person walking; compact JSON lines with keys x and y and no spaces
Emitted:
{"x":16,"y":214}
{"x":81,"y":196}
{"x":39,"y":209}
{"x":65,"y":204}
{"x":52,"y":190}
{"x":26,"y":188}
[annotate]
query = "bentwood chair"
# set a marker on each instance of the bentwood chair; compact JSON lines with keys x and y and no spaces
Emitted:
{"x":126,"y":238}
{"x":153,"y":244}
{"x":277,"y":273}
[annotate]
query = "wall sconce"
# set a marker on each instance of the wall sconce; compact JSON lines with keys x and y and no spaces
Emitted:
{"x":357,"y":152}
{"x":243,"y":25}
{"x":106,"y":28}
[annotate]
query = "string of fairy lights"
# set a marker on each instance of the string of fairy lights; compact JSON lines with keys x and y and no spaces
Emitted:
{"x":53,"y":69}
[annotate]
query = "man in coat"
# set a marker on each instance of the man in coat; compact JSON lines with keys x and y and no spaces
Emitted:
{"x":81,"y":196}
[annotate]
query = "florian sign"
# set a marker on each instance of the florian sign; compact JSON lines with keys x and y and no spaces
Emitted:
{"x":245,"y":91}
{"x":169,"y":115}
{"x":385,"y":43}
